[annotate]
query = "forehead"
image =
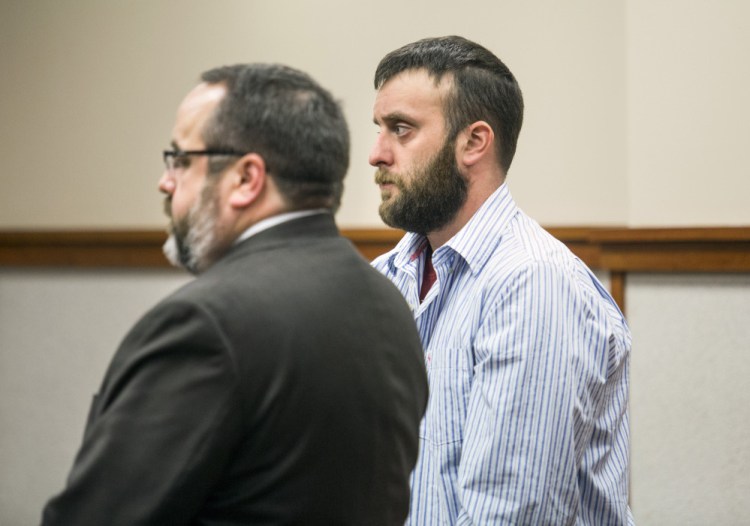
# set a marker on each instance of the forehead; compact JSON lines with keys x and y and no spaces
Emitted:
{"x":412,"y":93}
{"x":196,"y":108}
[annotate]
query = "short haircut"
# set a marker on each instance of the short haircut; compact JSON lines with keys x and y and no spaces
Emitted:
{"x":483,"y":89}
{"x":287,"y":118}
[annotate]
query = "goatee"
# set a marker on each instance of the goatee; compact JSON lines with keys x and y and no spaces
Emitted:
{"x":193,"y":241}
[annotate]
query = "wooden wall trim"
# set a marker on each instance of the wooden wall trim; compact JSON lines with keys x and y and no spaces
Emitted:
{"x":620,"y":250}
{"x":674,"y":250}
{"x":85,"y":249}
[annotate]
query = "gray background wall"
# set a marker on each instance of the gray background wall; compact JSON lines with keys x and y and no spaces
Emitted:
{"x":637,"y":115}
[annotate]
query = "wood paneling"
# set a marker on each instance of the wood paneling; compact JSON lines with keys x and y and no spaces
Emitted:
{"x":618,"y":251}
{"x":372,"y":242}
{"x":609,"y":249}
{"x":82,"y":249}
{"x":674,"y":250}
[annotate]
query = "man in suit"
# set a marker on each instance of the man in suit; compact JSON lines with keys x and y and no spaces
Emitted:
{"x":286,"y":383}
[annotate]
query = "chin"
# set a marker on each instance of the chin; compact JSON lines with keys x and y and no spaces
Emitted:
{"x":171,"y":251}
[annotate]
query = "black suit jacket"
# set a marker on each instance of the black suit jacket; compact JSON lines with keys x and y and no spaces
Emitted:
{"x":285,"y":385}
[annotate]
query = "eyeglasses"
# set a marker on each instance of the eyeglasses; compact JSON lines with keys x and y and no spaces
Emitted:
{"x":174,"y":159}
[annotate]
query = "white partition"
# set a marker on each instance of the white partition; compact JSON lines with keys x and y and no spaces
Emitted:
{"x":690,"y":403}
{"x":58,"y":331}
{"x":690,"y":398}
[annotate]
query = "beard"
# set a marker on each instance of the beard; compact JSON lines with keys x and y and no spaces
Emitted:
{"x":194,"y":241}
{"x":431,"y":198}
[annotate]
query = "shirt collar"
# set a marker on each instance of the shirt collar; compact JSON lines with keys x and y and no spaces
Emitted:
{"x":272,"y":221}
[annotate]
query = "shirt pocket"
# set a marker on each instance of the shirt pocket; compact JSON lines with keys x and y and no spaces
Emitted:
{"x":450,"y":385}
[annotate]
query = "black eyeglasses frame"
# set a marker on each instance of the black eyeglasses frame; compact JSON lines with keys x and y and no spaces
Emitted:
{"x":170,"y":155}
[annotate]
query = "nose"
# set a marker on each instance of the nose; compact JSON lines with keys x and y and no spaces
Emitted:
{"x":166,"y":183}
{"x":380,"y":154}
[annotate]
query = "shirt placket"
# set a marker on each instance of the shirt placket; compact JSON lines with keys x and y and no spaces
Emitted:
{"x":427,"y":314}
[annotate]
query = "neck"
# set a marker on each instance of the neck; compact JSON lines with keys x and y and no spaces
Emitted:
{"x":474,"y":200}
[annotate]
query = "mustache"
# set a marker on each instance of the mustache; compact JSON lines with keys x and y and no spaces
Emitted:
{"x":384,"y":177}
{"x":168,"y":207}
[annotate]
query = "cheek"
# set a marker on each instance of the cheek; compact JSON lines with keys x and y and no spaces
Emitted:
{"x":177,"y":208}
{"x":420,"y":157}
{"x":182,"y":200}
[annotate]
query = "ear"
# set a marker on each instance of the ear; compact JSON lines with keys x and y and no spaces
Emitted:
{"x":477,"y":141}
{"x":248,"y":181}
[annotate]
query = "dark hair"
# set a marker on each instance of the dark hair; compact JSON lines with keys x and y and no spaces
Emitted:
{"x":483,"y":87}
{"x":288,"y":119}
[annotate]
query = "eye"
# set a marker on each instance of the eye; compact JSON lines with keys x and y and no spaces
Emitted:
{"x":181,"y":161}
{"x":400,"y":129}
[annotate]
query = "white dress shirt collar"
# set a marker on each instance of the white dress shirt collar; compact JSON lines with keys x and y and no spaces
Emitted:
{"x":272,"y":221}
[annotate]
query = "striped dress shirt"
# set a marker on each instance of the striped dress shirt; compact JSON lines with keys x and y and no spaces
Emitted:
{"x":527,"y":357}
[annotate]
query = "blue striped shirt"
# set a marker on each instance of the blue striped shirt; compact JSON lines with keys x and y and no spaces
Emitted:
{"x":527,"y":357}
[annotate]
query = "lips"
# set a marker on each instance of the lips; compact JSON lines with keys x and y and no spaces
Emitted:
{"x":382,"y":178}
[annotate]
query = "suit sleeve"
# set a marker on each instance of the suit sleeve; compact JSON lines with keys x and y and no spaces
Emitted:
{"x":161,"y":429}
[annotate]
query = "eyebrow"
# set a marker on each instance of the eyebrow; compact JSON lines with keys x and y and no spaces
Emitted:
{"x":395,"y":117}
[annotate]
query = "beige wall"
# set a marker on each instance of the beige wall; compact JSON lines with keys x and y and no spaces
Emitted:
{"x":90,"y":89}
{"x":688,"y":79}
{"x":637,"y":114}
{"x":637,"y":111}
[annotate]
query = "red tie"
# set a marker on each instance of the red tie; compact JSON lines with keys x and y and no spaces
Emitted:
{"x":428,"y":276}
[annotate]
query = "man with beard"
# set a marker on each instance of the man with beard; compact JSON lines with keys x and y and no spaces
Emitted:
{"x":285,"y":384}
{"x":527,"y":354}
